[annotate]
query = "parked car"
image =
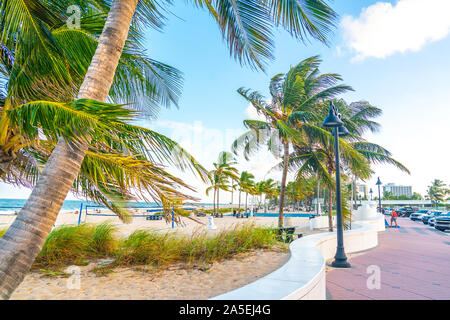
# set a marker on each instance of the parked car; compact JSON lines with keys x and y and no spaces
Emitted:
{"x":429,"y":215}
{"x":432,"y":221}
{"x":442,"y":222}
{"x":418,"y":215}
{"x":405,"y":211}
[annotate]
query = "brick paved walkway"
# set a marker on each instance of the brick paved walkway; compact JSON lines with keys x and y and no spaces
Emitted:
{"x":414,"y":261}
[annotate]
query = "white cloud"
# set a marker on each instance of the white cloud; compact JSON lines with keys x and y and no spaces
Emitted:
{"x":383,"y":29}
{"x":205,"y":144}
{"x":253,"y":114}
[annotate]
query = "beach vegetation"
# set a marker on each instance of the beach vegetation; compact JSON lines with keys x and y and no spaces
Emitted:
{"x":287,"y":115}
{"x":80,"y":245}
{"x":42,"y":63}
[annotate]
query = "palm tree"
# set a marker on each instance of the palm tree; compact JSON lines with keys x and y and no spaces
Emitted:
{"x":219,"y":176}
{"x":260,"y":188}
{"x":271,"y":192}
{"x":315,"y":155}
{"x":293,"y":99}
{"x":246,"y":28}
{"x":233,"y":186}
{"x":109,"y":170}
{"x":265,"y":188}
{"x":437,"y":191}
{"x":245,"y":185}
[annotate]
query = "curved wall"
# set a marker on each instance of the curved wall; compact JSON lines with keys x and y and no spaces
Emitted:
{"x":303,"y":276}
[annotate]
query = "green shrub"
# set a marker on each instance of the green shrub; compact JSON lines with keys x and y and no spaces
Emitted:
{"x":144,"y":247}
{"x":103,"y":240}
{"x":73,"y":244}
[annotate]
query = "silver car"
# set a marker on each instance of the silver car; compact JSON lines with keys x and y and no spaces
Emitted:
{"x":426,"y":218}
{"x":418,"y":215}
{"x":442,"y":222}
{"x":432,"y":221}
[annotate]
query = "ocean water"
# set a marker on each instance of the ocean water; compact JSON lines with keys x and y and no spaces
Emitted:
{"x":9,"y":206}
{"x":293,"y":215}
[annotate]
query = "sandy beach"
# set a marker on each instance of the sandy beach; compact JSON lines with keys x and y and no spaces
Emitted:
{"x":139,"y":222}
{"x":141,"y":282}
{"x":176,"y":282}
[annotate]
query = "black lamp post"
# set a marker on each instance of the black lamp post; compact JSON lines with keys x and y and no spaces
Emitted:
{"x":333,"y":121}
{"x":371,"y":192}
{"x":379,"y":193}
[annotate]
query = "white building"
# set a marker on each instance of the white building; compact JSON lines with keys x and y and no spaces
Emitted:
{"x":397,"y":190}
{"x":362,"y":190}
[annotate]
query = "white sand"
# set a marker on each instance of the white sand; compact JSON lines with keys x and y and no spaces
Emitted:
{"x":175,"y":283}
{"x":66,"y":218}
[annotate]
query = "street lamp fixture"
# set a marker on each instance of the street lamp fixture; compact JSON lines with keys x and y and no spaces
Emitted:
{"x":333,"y":120}
{"x":371,"y":194}
{"x":379,"y":193}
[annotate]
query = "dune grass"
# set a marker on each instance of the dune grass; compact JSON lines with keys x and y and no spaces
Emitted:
{"x":143,"y":247}
{"x":78,"y":244}
{"x":75,"y":244}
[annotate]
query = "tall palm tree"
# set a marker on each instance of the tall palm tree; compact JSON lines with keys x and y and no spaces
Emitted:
{"x":246,"y":27}
{"x":264,"y":188}
{"x":270,"y":192}
{"x":219,"y":176}
{"x":260,"y":188}
{"x":315,"y":155}
{"x":110,"y":168}
{"x":245,"y":185}
{"x":293,"y":99}
{"x":233,"y":187}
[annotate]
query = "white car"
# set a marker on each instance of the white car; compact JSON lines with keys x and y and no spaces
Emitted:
{"x":418,"y":215}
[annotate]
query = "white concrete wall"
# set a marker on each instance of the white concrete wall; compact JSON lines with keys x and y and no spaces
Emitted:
{"x":303,"y":276}
{"x":320,"y":222}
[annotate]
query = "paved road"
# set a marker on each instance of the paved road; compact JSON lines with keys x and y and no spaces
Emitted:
{"x":414,"y":263}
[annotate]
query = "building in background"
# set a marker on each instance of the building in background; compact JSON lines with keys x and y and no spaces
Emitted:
{"x":362,"y":191}
{"x":397,"y":190}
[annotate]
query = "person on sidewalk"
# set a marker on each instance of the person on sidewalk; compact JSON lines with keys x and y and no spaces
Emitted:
{"x":394,"y":218}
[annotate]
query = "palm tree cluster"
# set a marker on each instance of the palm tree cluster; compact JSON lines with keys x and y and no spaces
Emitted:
{"x":222,"y":174}
{"x":38,"y":106}
{"x":292,"y":129}
{"x":71,"y":94}
{"x":225,"y":177}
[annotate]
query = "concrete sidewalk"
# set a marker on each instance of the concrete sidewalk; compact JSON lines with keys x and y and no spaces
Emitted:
{"x":414,"y":263}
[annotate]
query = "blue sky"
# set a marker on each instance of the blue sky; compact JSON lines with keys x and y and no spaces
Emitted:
{"x":393,"y":53}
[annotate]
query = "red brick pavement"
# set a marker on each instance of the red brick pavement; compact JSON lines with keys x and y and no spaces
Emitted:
{"x":414,"y":263}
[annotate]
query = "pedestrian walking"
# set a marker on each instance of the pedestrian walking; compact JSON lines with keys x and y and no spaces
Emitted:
{"x":394,"y":218}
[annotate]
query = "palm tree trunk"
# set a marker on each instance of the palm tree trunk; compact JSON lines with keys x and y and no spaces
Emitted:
{"x":246,"y":195}
{"x":239,"y":210}
{"x":218,"y":206}
{"x":330,"y":210}
{"x":283,"y":184}
{"x":214,"y":201}
{"x":25,"y":237}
